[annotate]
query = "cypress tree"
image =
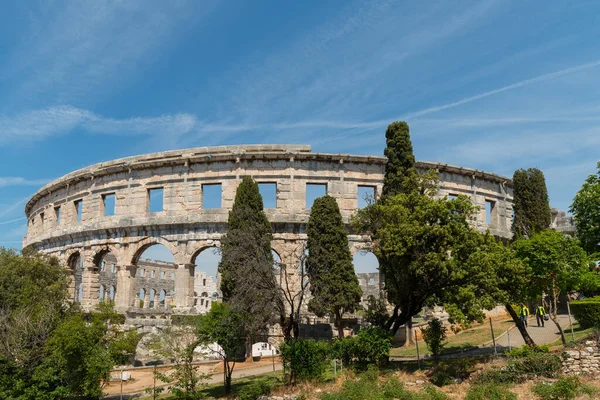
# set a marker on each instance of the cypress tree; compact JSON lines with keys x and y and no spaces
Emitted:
{"x":246,"y":267}
{"x":530,"y":202}
{"x":333,"y":284}
{"x":401,"y":160}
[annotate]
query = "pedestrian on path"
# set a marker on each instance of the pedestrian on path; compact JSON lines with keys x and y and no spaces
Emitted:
{"x":540,"y":315}
{"x":524,"y":314}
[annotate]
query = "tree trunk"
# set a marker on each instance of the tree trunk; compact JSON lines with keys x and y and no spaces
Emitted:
{"x":339,"y":317}
{"x":522,"y":330}
{"x":555,"y":311}
{"x":408,"y":333}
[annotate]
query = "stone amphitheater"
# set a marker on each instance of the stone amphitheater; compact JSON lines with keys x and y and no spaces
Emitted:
{"x":99,"y":220}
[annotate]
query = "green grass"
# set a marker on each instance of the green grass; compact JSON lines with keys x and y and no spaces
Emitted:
{"x":579,"y":333}
{"x":463,"y":341}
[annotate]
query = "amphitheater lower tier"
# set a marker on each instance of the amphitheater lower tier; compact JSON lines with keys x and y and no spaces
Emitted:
{"x":110,"y":213}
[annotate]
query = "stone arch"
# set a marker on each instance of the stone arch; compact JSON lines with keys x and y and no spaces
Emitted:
{"x":148,"y":242}
{"x":205,"y":279}
{"x":101,"y":293}
{"x":75,"y":271}
{"x":151,"y":295}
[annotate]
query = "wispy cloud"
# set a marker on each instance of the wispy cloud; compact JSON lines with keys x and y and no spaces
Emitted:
{"x":19,"y":181}
{"x":76,"y":48}
{"x":12,"y":221}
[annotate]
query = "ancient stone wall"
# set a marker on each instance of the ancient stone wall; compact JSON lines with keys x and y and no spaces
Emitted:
{"x":73,"y":219}
{"x":585,"y":360}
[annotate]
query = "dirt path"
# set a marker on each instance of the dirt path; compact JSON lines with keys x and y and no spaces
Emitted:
{"x":144,"y":377}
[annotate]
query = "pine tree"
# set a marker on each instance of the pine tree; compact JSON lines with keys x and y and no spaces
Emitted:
{"x":333,"y":283}
{"x":401,"y":160}
{"x":246,"y":267}
{"x":530,"y":202}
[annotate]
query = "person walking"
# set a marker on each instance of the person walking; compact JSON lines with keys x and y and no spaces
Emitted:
{"x":540,"y":315}
{"x":524,"y":314}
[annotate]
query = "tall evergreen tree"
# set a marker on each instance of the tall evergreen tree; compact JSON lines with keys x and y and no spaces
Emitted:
{"x":401,"y":160}
{"x":530,"y":202}
{"x":333,"y":283}
{"x":246,"y":267}
{"x":586,"y":212}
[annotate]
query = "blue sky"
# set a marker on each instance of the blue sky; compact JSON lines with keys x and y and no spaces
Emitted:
{"x":493,"y":85}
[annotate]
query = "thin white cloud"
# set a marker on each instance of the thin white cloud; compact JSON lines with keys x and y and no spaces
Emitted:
{"x":19,"y":181}
{"x":12,"y":221}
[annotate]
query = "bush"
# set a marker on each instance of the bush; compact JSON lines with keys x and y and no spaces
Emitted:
{"x":304,"y":359}
{"x":435,"y":335}
{"x":518,"y":370}
{"x":447,"y":373}
{"x":526,"y":351}
{"x":490,"y":391}
{"x":587,"y":312}
{"x":564,"y":388}
{"x":255,"y":390}
{"x":370,"y":346}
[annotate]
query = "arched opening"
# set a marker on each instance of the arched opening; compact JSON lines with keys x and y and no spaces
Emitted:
{"x":366,"y":267}
{"x":155,"y":269}
{"x":277,"y":267}
{"x":206,"y":277}
{"x":151,"y":298}
{"x":106,"y":269}
{"x":76,"y":271}
{"x":101,"y":294}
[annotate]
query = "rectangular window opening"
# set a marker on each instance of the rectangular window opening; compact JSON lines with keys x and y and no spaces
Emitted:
{"x":314,"y":191}
{"x":366,"y":196}
{"x":155,"y":200}
{"x":78,"y":209}
{"x":42,"y":219}
{"x":489,"y":211}
{"x":211,"y":195}
{"x":152,"y":274}
{"x":57,"y":214}
{"x":172,"y":276}
{"x":108,"y":200}
{"x":452,"y":196}
{"x":162,"y":274}
{"x":268,"y":191}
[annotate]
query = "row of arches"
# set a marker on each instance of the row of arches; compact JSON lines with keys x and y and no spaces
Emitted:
{"x":155,"y":290}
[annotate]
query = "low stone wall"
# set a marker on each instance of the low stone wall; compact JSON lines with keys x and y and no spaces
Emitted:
{"x":585,"y":360}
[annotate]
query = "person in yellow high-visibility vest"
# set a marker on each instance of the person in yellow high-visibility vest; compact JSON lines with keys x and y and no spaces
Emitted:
{"x":524,"y":314}
{"x":540,"y":313}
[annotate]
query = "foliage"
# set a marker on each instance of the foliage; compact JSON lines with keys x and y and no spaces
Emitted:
{"x":530,"y":202}
{"x":526,"y":351}
{"x":490,"y":391}
{"x":177,"y":345}
{"x":563,"y":389}
{"x":255,"y":391}
{"x":434,"y":335}
{"x":587,"y":312}
{"x":225,"y":326}
{"x":423,"y":244}
{"x":246,"y":267}
{"x":449,"y":372}
{"x":520,"y":369}
{"x":376,"y":312}
{"x":368,"y":386}
{"x":586,"y":213}
{"x":370,"y":346}
{"x":333,"y":284}
{"x":305,"y":359}
{"x":400,"y":167}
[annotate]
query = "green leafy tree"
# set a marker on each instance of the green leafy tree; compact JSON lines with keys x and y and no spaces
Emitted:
{"x":434,"y":335}
{"x":422,"y":244}
{"x":333,"y":284}
{"x":376,"y":312}
{"x":586,"y":212}
{"x":177,"y":345}
{"x":247,"y":268}
{"x":401,"y":160}
{"x":530,"y":202}
{"x":557,"y":263}
{"x":225,"y":326}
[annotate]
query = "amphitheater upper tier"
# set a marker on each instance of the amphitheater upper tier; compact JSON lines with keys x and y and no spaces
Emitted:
{"x":108,"y":206}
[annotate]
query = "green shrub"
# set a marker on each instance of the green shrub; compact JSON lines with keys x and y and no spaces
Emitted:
{"x":526,"y":351}
{"x":563,"y":389}
{"x":255,"y":390}
{"x":370,"y":346}
{"x":305,"y":359}
{"x":518,"y":370}
{"x":490,"y":391}
{"x":587,"y":312}
{"x":435,"y":336}
{"x":446,"y":373}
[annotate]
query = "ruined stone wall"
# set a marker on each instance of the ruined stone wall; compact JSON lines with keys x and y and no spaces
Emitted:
{"x":186,"y":227}
{"x":585,"y":360}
